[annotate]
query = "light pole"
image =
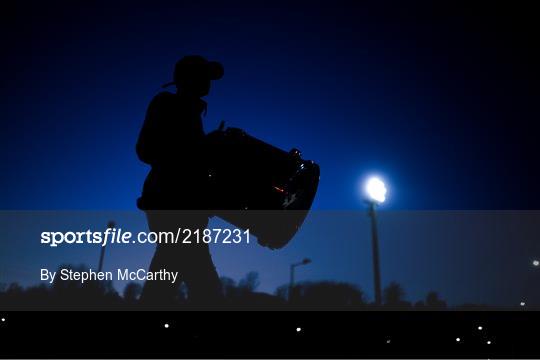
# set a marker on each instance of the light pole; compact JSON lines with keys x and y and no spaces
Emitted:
{"x":376,"y":194}
{"x":293,"y":266}
{"x":110,"y":225}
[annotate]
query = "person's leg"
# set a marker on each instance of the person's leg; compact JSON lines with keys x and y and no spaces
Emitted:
{"x":192,"y":261}
{"x":201,"y":277}
{"x":158,"y":294}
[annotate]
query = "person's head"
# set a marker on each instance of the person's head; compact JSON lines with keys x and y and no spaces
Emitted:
{"x":193,"y":73}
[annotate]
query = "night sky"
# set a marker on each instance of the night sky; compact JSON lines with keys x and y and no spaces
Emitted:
{"x":440,"y":100}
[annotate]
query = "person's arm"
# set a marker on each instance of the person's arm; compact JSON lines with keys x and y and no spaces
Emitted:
{"x":152,"y":147}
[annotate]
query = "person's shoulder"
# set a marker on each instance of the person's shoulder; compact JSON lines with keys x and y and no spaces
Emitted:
{"x":164,"y":96}
{"x":161,"y":100}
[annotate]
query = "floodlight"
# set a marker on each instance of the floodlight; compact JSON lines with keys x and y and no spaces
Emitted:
{"x":376,"y":190}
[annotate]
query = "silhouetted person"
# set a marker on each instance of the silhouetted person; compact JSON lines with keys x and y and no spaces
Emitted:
{"x":172,"y":142}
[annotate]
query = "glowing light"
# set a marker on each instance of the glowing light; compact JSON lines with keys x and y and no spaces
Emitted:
{"x":536,"y":262}
{"x":298,"y":329}
{"x":166,"y":326}
{"x":376,"y":190}
{"x":458,"y":339}
{"x":480,"y":328}
{"x":522,"y":303}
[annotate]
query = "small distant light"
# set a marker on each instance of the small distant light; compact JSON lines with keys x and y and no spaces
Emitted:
{"x":388,"y":341}
{"x":3,"y":319}
{"x":522,"y":303}
{"x":458,"y":339}
{"x":480,"y":328}
{"x":298,"y":329}
{"x":536,"y":263}
{"x":166,"y":326}
{"x":488,"y":342}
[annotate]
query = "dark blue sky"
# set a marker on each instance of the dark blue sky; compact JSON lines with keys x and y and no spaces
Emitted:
{"x":441,"y":100}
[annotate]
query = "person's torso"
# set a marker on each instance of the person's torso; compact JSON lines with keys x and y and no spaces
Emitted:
{"x":179,"y":180}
